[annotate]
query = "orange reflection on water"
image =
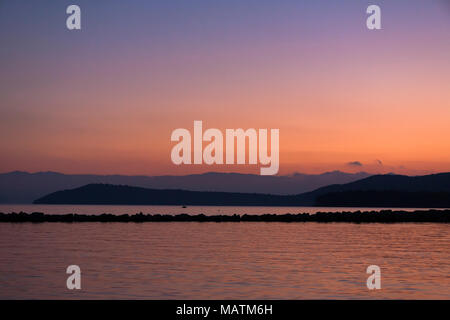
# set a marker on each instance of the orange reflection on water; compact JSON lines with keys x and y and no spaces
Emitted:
{"x":224,"y":260}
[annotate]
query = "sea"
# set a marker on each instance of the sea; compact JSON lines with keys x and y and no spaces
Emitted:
{"x":227,"y":260}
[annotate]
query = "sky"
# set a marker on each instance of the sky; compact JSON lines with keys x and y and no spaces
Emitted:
{"x":105,"y":99}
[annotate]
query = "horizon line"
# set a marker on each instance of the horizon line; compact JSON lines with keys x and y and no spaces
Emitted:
{"x":216,"y":172}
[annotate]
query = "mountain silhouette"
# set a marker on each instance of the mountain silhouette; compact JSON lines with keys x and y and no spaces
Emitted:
{"x":380,"y":190}
{"x":24,"y":187}
{"x":127,"y":195}
{"x":390,"y":182}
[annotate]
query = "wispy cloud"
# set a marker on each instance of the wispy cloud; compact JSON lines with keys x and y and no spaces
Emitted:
{"x":355,"y":164}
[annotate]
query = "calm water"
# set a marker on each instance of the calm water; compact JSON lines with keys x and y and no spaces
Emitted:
{"x":224,"y":260}
{"x":207,"y":210}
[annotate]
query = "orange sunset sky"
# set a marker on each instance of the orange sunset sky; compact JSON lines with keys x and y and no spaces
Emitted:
{"x":106,"y":98}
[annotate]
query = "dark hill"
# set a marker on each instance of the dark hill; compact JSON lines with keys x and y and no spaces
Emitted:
{"x":112,"y":194}
{"x":420,"y":186}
